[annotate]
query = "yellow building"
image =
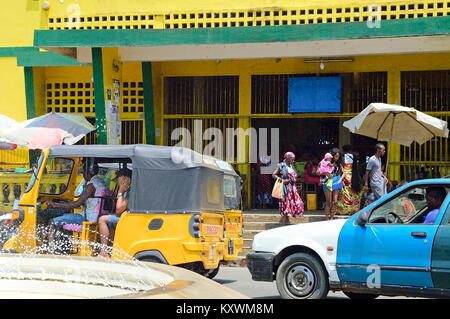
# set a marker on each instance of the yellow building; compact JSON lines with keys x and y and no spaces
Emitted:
{"x":229,"y":64}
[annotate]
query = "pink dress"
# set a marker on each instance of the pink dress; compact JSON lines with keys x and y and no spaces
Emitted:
{"x":291,"y":204}
{"x":325,"y":168}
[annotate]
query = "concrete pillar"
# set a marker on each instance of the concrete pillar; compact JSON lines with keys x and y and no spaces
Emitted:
{"x":394,"y":97}
{"x":245,"y":102}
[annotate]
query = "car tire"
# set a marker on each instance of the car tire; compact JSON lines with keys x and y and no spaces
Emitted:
{"x":354,"y":295}
{"x":302,"y":276}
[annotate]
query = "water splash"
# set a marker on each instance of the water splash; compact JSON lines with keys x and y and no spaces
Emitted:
{"x":82,"y":277}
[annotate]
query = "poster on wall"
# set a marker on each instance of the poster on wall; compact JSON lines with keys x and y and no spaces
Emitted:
{"x":112,"y":115}
{"x":315,"y":94}
{"x":114,"y":125}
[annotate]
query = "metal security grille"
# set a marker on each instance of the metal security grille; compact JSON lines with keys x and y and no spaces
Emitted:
{"x":201,"y":95}
{"x":270,"y":94}
{"x":368,"y":87}
{"x":427,"y":91}
{"x":132,"y":132}
{"x":214,"y":125}
{"x":345,"y":11}
{"x":70,"y":97}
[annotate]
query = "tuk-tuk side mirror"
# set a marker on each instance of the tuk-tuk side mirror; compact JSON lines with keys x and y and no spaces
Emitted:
{"x":362,"y":218}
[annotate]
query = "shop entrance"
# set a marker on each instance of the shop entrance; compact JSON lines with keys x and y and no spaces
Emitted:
{"x":307,"y":138}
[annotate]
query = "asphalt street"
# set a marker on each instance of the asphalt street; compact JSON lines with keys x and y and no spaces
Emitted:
{"x":239,"y":279}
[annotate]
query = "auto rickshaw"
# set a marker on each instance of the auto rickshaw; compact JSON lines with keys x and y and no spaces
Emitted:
{"x":183,"y":208}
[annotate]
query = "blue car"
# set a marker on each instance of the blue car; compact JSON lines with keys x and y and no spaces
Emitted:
{"x":398,"y":245}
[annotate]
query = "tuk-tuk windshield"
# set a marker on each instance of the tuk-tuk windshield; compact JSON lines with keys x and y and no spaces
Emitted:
{"x":56,"y":175}
{"x":35,"y":169}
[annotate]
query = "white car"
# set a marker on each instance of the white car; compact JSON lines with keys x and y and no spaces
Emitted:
{"x":302,"y":256}
{"x":390,"y":247}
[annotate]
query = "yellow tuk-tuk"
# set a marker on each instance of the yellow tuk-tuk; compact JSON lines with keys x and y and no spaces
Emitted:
{"x":183,"y":208}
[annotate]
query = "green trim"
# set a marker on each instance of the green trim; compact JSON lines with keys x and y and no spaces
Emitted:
{"x":16,"y":51}
{"x":99,"y":95}
{"x":29,"y":92}
{"x":31,"y":56}
{"x":46,"y":59}
{"x":262,"y":34}
{"x":148,"y":102}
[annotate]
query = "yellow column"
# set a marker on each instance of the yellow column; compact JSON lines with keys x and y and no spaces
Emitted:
{"x":245,"y":85}
{"x":394,"y":97}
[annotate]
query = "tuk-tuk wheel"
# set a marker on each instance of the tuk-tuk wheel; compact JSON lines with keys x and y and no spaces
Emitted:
{"x":213,"y":273}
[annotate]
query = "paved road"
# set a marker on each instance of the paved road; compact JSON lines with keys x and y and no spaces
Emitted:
{"x":239,"y":279}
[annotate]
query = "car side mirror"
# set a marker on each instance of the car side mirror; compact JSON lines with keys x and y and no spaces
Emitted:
{"x":362,"y":218}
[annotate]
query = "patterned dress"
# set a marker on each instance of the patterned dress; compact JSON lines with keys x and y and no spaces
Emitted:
{"x":291,"y":204}
{"x":348,"y":199}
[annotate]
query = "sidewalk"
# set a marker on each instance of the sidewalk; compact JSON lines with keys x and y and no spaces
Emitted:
{"x":258,"y":220}
{"x":270,"y":211}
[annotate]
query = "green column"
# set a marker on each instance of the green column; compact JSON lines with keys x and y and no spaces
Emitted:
{"x":99,"y":94}
{"x":29,"y":92}
{"x":31,"y":107}
{"x":148,"y":102}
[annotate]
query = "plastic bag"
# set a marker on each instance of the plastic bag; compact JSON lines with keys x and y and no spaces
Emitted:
{"x":277,"y":191}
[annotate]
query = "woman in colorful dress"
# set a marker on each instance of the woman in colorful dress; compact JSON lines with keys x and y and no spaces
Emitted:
{"x":348,"y":201}
{"x":338,"y":174}
{"x":291,"y":204}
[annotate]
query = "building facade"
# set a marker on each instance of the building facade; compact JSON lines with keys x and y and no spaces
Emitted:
{"x":141,"y":71}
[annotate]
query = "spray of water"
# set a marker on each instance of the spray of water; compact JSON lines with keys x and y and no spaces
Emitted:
{"x":57,"y":263}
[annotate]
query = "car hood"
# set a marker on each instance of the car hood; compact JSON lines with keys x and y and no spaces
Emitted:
{"x":314,"y":234}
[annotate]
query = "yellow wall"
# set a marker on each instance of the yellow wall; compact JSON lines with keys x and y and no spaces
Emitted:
{"x":20,"y":18}
{"x":12,"y":89}
{"x":406,"y":62}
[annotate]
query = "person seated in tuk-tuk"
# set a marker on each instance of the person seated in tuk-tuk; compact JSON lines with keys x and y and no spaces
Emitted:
{"x":94,"y":187}
{"x":107,"y":223}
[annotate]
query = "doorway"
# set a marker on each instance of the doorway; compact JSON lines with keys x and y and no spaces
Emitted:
{"x":307,"y":138}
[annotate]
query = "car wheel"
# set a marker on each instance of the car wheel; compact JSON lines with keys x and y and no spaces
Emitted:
{"x":354,"y":295}
{"x":302,"y":276}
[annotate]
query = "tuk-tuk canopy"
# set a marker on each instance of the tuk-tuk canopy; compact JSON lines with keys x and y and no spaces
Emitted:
{"x":164,"y":179}
{"x":144,"y":156}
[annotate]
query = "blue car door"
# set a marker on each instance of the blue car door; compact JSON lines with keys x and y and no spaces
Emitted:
{"x":393,"y":248}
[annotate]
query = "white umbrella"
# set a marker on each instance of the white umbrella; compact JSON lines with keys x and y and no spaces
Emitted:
{"x":48,"y":130}
{"x":5,"y":123}
{"x":396,"y":124}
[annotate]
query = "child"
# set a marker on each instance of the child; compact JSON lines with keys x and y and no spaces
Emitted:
{"x":325,"y":168}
